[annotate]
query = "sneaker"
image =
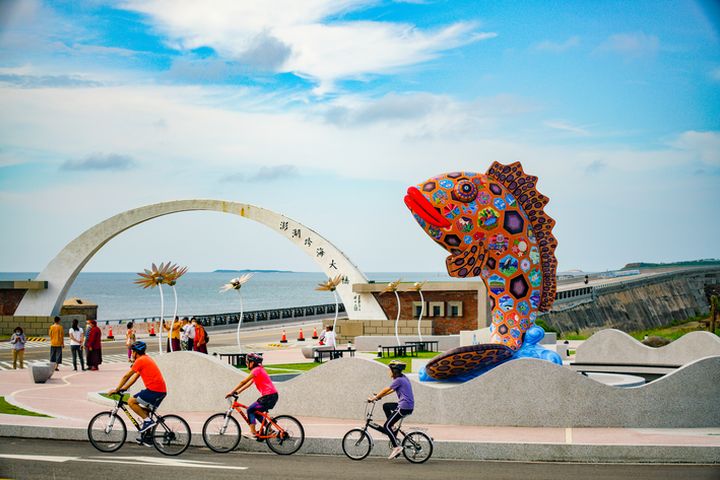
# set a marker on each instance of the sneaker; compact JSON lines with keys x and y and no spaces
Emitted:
{"x":147,"y":425}
{"x":144,"y":442}
{"x":395,"y":452}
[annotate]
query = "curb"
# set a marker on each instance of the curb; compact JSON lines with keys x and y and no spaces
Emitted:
{"x":477,"y":451}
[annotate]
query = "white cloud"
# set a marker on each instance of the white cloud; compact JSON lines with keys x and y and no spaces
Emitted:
{"x":704,"y":146}
{"x":557,"y":47}
{"x":566,"y":127}
{"x":290,"y":36}
{"x":631,"y":45}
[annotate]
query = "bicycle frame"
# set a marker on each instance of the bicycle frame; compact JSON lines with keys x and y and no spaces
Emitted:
{"x":266,"y":420}
{"x":369,"y":410}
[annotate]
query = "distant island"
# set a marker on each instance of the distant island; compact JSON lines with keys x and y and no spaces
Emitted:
{"x":686,"y":263}
{"x":252,"y":271}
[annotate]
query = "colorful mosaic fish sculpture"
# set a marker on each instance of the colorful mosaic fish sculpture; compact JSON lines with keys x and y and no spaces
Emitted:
{"x":493,"y":225}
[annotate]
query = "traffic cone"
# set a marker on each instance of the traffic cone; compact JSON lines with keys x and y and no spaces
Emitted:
{"x":110,"y":334}
{"x":315,"y":335}
{"x":283,"y":339}
{"x":301,"y":337}
{"x":152,"y":329}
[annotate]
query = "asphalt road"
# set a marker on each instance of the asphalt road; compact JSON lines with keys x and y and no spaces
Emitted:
{"x":55,"y":459}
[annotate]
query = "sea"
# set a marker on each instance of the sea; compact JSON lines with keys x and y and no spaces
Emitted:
{"x":118,"y":298}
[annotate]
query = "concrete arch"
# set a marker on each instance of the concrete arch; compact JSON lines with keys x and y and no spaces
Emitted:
{"x":62,"y":270}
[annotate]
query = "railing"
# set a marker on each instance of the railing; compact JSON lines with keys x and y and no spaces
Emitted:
{"x":253,"y":316}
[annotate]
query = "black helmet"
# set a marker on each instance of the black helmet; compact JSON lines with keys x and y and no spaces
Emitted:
{"x":397,"y":365}
{"x":139,"y":347}
{"x":255,"y":358}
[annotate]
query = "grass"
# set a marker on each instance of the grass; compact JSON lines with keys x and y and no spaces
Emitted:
{"x":114,"y":397}
{"x":672,"y":331}
{"x":284,"y":368}
{"x":9,"y":409}
{"x":408,"y":360}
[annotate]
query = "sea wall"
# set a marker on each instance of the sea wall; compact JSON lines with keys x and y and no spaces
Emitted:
{"x":637,"y":305}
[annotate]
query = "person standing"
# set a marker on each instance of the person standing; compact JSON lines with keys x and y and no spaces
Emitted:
{"x":57,"y":342}
{"x":77,"y":337}
{"x":130,"y":339}
{"x":184,"y":338}
{"x":18,"y":340}
{"x":93,"y":346}
{"x":200,"y":342}
{"x":191,"y":334}
{"x":173,"y":343}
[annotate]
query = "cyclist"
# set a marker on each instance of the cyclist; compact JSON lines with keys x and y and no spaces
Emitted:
{"x":395,"y":411}
{"x":268,"y":392}
{"x":155,"y":390}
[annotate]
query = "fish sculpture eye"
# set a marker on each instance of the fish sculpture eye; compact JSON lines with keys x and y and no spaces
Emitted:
{"x":465,"y":191}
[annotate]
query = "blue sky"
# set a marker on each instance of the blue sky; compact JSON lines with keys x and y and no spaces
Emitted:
{"x":327,"y":111}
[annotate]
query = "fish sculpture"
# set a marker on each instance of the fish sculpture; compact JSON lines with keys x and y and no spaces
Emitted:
{"x":494,"y":226}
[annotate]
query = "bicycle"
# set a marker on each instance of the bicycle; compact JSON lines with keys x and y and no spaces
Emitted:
{"x":107,"y":430}
{"x":283,"y":434}
{"x":357,"y":443}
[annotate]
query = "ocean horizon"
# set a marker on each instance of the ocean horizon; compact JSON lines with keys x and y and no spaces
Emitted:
{"x":118,"y":298}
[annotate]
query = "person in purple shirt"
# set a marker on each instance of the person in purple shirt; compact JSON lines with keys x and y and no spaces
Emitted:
{"x":395,"y":411}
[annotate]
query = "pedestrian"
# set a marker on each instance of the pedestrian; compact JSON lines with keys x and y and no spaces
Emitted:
{"x":173,"y":341}
{"x":130,"y":339}
{"x":93,"y":346}
{"x":77,"y":337}
{"x":18,"y":340}
{"x":184,"y":338}
{"x":200,"y":343}
{"x":57,"y":342}
{"x":191,"y":334}
{"x":329,"y":337}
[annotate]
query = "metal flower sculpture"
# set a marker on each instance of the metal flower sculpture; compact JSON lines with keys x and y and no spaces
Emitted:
{"x":392,"y":287}
{"x":236,"y":284}
{"x":418,"y":288}
{"x":171,"y":279}
{"x":152,"y":278}
{"x":330,"y":286}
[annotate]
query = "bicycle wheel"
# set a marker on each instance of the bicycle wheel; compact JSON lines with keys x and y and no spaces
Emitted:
{"x":219,"y":436}
{"x":290,"y":439}
{"x":356,"y":444}
{"x":171,"y":435}
{"x":107,"y":432}
{"x":417,"y":447}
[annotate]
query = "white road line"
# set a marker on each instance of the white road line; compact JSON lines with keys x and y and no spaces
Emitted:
{"x":38,"y":458}
{"x":568,"y":435}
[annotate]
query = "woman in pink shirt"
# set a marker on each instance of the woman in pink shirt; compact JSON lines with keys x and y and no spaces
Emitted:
{"x":268,"y":392}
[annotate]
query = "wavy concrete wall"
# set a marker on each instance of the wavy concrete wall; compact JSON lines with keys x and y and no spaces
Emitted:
{"x":616,"y":347}
{"x":523,"y":392}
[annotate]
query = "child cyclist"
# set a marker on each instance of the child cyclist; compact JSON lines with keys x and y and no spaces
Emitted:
{"x":268,"y":392}
{"x":395,"y":411}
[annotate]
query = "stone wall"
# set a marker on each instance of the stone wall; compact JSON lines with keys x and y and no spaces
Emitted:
{"x":348,"y":330}
{"x":35,"y":326}
{"x":647,"y":303}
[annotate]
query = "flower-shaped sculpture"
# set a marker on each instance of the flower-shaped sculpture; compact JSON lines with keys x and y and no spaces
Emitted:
{"x":418,"y":288}
{"x":331,"y":286}
{"x":155,"y":277}
{"x":236,"y":284}
{"x":393,"y":287}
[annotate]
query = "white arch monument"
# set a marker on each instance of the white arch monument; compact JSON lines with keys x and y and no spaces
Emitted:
{"x":60,"y":273}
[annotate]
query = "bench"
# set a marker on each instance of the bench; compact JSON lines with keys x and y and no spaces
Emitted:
{"x":425,"y":345}
{"x":332,"y":353}
{"x":398,"y":350}
{"x":234,"y":359}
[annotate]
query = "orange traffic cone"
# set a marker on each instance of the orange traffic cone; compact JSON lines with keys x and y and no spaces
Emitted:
{"x":283,"y":339}
{"x":152,"y":329}
{"x":301,"y":337}
{"x":110,"y":334}
{"x":315,"y":335}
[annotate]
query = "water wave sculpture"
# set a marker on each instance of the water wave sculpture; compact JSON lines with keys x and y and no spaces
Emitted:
{"x":493,"y":225}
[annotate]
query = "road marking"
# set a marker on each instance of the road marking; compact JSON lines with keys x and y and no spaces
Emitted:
{"x":568,"y":435}
{"x":152,"y":461}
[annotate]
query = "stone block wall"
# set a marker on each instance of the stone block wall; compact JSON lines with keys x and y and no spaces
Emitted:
{"x":347,"y":330}
{"x":35,"y":326}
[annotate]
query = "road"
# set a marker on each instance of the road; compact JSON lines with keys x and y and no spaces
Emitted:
{"x":47,"y":459}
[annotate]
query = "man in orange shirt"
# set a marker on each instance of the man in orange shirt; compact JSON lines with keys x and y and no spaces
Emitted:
{"x":57,"y":342}
{"x":155,"y":390}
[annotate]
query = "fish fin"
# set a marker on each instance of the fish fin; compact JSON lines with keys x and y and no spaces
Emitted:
{"x":523,"y":187}
{"x":466,"y":360}
{"x":466,"y":264}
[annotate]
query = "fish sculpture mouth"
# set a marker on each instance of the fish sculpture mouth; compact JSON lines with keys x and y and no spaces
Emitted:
{"x":419,"y":205}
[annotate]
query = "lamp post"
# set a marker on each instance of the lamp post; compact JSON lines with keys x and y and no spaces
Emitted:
{"x":418,"y":288}
{"x":236,"y":284}
{"x":392,"y":287}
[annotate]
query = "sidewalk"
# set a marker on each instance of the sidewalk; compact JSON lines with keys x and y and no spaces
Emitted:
{"x":65,"y":398}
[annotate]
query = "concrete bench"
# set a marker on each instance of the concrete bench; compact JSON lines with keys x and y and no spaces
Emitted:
{"x":41,"y":372}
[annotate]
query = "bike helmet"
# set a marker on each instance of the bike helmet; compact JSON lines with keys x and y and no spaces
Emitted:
{"x":255,"y":358}
{"x":397,"y":365}
{"x":139,"y":347}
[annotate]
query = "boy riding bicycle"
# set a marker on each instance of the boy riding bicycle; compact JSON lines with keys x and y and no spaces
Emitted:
{"x":268,"y":392}
{"x":396,"y":411}
{"x":155,"y":390}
